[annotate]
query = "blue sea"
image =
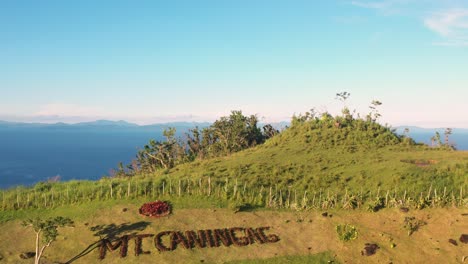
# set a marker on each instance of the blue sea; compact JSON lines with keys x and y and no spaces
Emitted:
{"x":32,"y":154}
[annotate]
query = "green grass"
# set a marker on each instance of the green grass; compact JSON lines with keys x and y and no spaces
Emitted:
{"x":306,"y":165}
{"x":79,"y":212}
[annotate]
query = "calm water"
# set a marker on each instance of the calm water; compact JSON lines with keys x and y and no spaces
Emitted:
{"x":30,"y":155}
{"x":460,"y":140}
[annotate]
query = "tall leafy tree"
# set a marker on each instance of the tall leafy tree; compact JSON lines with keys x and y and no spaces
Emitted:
{"x":165,"y":154}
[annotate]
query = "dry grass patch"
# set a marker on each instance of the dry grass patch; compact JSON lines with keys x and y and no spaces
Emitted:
{"x":300,"y":233}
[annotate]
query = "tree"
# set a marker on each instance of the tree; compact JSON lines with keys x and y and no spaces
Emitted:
{"x":447,"y":133}
{"x":48,"y":230}
{"x":194,"y":143}
{"x":433,"y":140}
{"x":232,"y":133}
{"x":165,"y":154}
{"x":374,"y":114}
{"x":226,"y":135}
{"x":406,"y":138}
{"x":343,"y":96}
{"x":269,"y":131}
{"x":406,"y":132}
{"x":437,"y":139}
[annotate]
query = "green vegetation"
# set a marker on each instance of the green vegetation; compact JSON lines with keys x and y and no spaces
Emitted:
{"x":411,"y":224}
{"x":225,"y":136}
{"x":48,"y":230}
{"x":346,"y":232}
{"x":319,"y":162}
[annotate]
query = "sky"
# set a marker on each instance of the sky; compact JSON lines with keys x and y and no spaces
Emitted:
{"x":161,"y":61}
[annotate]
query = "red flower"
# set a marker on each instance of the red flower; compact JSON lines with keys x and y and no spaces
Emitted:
{"x":157,"y":208}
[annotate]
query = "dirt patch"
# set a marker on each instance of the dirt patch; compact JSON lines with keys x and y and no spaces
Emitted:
{"x":464,"y":238}
{"x":369,"y":249}
{"x":420,"y":162}
{"x":404,"y":209}
{"x":27,"y":255}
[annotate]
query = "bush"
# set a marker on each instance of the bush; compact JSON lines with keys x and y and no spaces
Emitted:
{"x":411,"y":224}
{"x":346,"y":232}
{"x":376,"y":205}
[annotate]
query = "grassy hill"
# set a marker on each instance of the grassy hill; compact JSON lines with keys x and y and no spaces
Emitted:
{"x":335,"y":159}
{"x":344,"y":160}
{"x":316,"y":165}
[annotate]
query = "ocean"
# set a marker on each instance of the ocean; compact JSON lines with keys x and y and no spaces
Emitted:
{"x":28,"y":156}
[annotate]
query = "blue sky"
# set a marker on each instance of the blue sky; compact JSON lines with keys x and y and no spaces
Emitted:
{"x":159,"y":61}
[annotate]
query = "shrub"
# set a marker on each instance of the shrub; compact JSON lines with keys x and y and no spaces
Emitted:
{"x":411,"y":224}
{"x":376,"y":205}
{"x":346,"y":232}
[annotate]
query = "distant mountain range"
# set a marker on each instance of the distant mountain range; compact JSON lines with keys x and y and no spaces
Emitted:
{"x":102,"y":124}
{"x":415,"y":129}
{"x":120,"y":124}
{"x":125,"y":124}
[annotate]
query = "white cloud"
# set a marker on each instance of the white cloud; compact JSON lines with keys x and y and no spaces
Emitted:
{"x":450,"y":21}
{"x":74,"y":113}
{"x":61,"y":109}
{"x":450,"y":24}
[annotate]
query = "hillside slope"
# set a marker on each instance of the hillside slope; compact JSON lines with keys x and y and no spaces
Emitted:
{"x":355,"y":157}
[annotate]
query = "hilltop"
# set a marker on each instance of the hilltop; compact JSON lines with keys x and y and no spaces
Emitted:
{"x":320,"y":154}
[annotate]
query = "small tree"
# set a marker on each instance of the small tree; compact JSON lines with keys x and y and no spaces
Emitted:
{"x":437,"y":138}
{"x":47,"y":229}
{"x":374,"y":114}
{"x":447,"y":133}
{"x":406,"y":132}
{"x":343,"y":96}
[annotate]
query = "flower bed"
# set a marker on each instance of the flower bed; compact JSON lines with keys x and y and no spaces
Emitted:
{"x":155,"y":209}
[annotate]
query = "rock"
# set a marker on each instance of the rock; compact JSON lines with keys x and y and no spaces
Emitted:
{"x":464,"y":238}
{"x":27,"y":255}
{"x":453,"y":242}
{"x":369,"y":249}
{"x":404,"y":209}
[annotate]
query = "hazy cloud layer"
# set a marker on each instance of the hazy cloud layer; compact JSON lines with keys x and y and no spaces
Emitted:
{"x":60,"y":109}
